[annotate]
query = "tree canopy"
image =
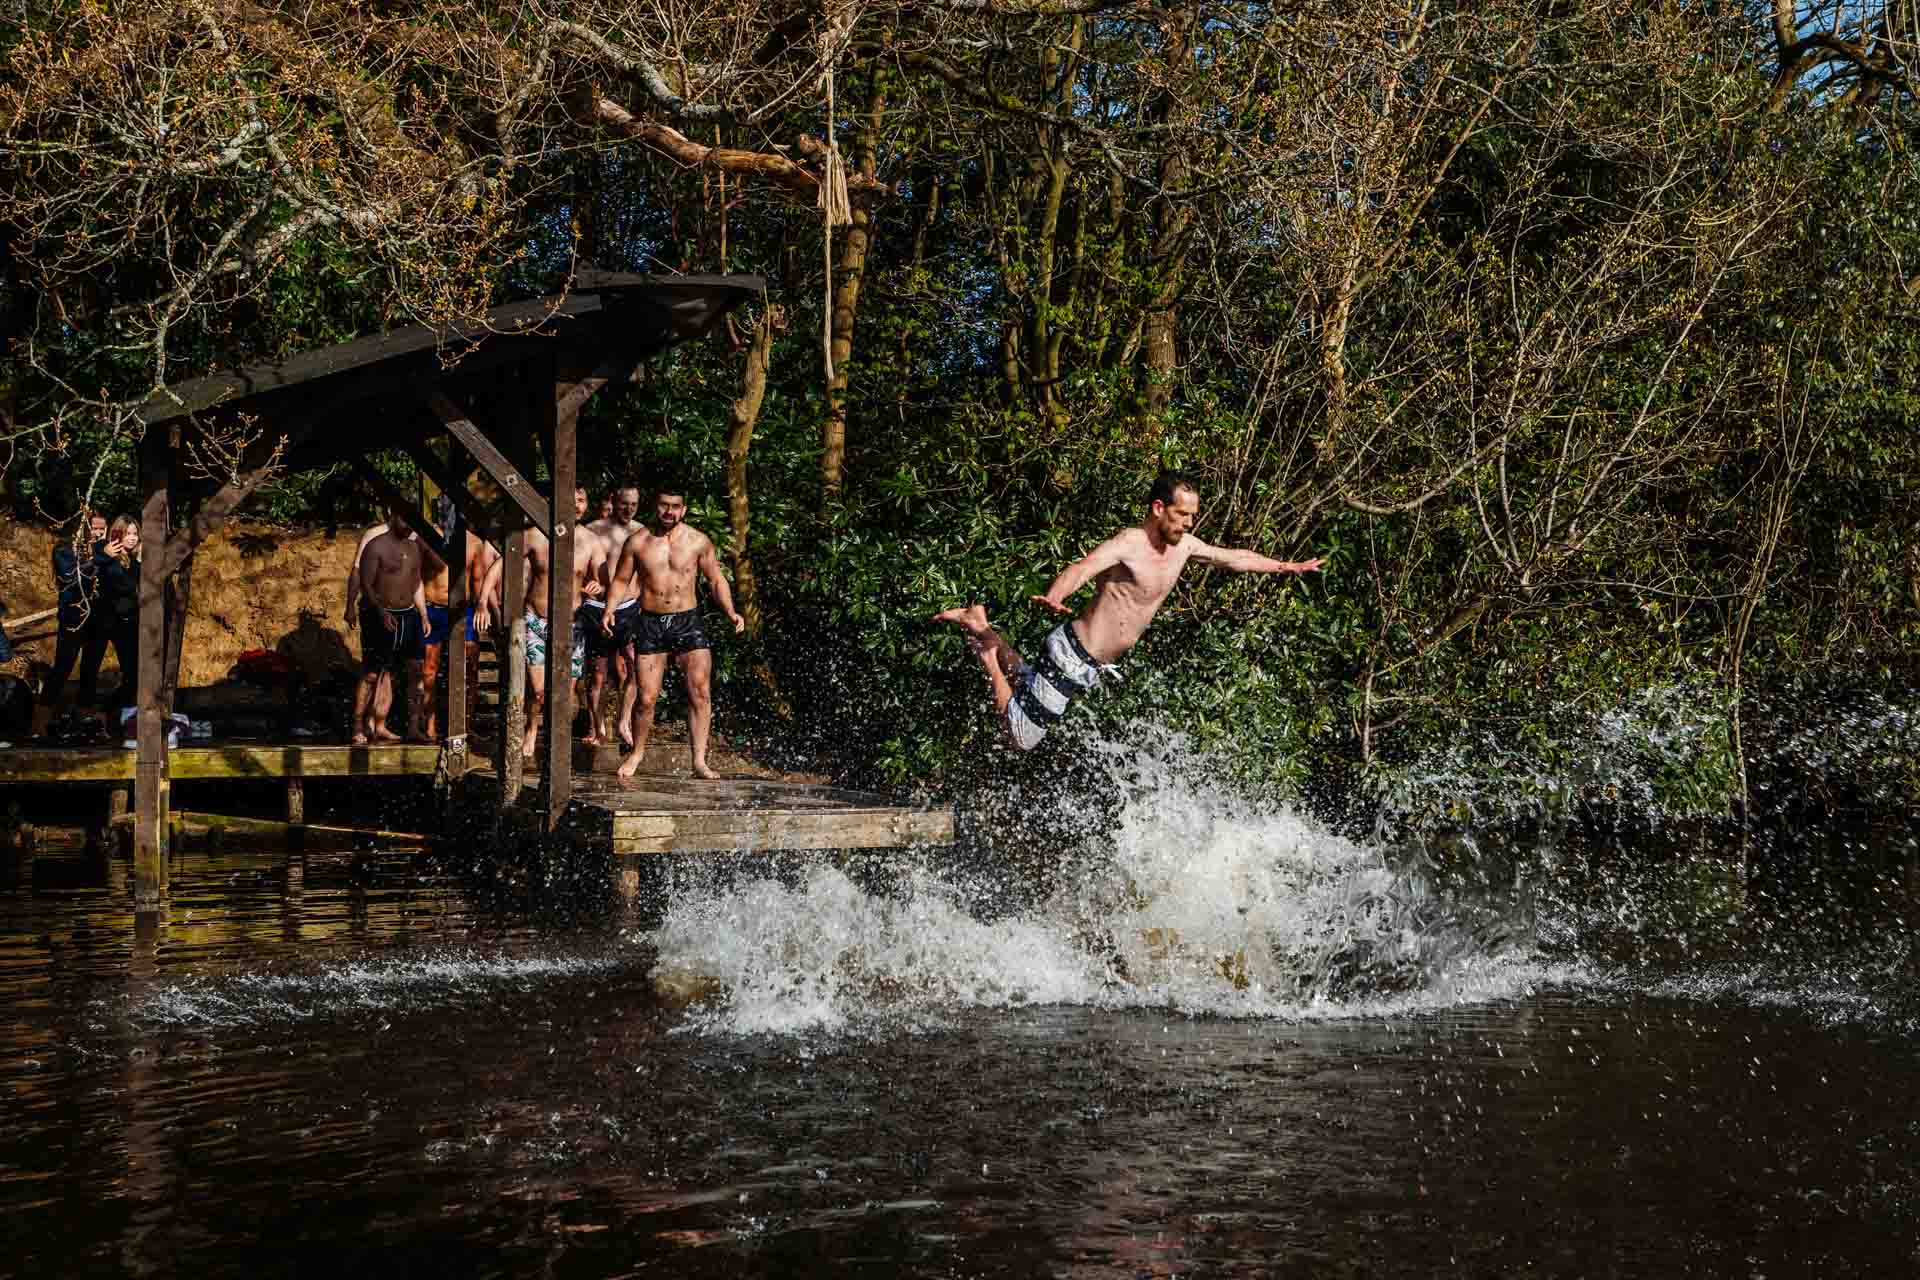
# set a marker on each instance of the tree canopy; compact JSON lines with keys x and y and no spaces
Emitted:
{"x":1580,"y":337}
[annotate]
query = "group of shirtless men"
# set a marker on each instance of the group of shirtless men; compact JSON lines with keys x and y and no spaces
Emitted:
{"x":632,"y":606}
{"x":647,"y":573}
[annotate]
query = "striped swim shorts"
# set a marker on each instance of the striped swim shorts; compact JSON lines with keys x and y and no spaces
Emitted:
{"x":1045,"y":688}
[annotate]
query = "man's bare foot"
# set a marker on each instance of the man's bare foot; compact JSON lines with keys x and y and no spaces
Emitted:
{"x":383,"y":734}
{"x":629,"y":766}
{"x":419,"y":738}
{"x":360,"y":739}
{"x":701,"y":769}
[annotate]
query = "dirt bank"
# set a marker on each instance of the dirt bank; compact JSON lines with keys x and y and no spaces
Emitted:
{"x":254,"y":587}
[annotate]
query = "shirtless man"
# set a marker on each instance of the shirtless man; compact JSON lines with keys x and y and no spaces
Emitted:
{"x":611,"y":646}
{"x":659,"y":565}
{"x":481,"y":608}
{"x":1134,"y":571}
{"x":436,"y":583}
{"x":392,"y":617}
{"x":588,"y":555}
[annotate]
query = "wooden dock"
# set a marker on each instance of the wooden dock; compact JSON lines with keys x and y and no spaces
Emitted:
{"x":660,"y":811}
{"x":651,"y":814}
{"x":38,"y":766}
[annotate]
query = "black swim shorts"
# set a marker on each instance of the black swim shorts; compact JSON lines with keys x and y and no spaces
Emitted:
{"x":599,"y":643}
{"x":384,"y":650}
{"x":668,"y":632}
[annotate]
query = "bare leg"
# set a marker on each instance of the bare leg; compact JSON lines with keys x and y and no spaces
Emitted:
{"x":427,"y":727}
{"x":364,"y":694}
{"x":596,"y":686}
{"x":417,"y":703}
{"x":625,"y":665}
{"x":650,"y":671}
{"x":697,"y":666}
{"x":382,"y":708}
{"x":536,"y":701}
{"x":997,"y":656}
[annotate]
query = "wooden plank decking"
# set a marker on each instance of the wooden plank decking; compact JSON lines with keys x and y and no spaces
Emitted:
{"x":652,"y":814}
{"x":23,"y":766}
{"x":659,"y":811}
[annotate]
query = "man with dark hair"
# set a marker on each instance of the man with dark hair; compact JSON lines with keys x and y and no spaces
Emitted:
{"x":389,"y":592}
{"x":1133,"y":572}
{"x":661,"y":564}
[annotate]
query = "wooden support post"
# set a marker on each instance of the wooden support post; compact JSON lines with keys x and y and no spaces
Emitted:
{"x":296,"y":801}
{"x":177,"y":631}
{"x":455,"y":656}
{"x":513,"y":603}
{"x":151,"y":791}
{"x":560,"y":606}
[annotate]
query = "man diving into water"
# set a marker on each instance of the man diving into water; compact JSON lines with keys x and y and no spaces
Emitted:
{"x":1134,"y":571}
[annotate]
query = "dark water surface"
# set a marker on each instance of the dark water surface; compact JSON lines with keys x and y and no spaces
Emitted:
{"x":338,"y":1066}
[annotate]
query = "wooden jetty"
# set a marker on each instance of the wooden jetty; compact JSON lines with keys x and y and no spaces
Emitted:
{"x":503,"y":395}
{"x":661,"y":810}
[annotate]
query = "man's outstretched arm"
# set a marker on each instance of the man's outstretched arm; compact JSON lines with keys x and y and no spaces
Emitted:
{"x":1251,"y":561}
{"x":721,"y":588}
{"x":1081,"y":572}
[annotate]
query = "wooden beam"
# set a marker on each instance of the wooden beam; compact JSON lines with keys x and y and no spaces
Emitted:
{"x":560,"y":606}
{"x":571,"y":397}
{"x":232,"y":762}
{"x":504,"y":472}
{"x":781,"y":829}
{"x":151,"y":790}
{"x":22,"y":623}
{"x":212,"y":514}
{"x":393,"y":498}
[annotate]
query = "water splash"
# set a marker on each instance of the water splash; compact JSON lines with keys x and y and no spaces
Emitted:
{"x":245,"y":999}
{"x":1191,"y":897}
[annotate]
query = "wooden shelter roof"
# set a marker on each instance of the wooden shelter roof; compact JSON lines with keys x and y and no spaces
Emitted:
{"x":308,"y":395}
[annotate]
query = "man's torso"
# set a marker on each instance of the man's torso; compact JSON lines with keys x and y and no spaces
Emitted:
{"x":1129,"y":594}
{"x":587,"y":558}
{"x":391,"y":570}
{"x":613,"y":536}
{"x":665,"y":567}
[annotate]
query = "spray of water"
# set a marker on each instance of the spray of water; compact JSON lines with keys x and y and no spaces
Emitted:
{"x":1189,"y":897}
{"x":245,"y":999}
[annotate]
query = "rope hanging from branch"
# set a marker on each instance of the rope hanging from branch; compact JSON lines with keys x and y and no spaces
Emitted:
{"x":836,"y":210}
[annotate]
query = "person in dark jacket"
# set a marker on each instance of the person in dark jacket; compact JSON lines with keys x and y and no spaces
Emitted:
{"x":118,"y":562}
{"x":80,"y":638}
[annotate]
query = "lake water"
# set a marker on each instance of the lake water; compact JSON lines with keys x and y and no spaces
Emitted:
{"x":1229,"y":1044}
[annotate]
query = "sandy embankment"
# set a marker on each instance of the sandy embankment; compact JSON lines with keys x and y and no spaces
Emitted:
{"x":254,"y":587}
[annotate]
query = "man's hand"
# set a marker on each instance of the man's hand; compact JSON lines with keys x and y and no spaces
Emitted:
{"x":739,"y":623}
{"x":1305,"y":566}
{"x":426,"y":623}
{"x":592,"y":589}
{"x":482,"y":619}
{"x":606,"y":621}
{"x":352,"y":617}
{"x":1049,"y":603}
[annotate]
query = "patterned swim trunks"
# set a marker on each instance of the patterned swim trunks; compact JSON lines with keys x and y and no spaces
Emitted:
{"x":1043,"y":690}
{"x":537,"y":640}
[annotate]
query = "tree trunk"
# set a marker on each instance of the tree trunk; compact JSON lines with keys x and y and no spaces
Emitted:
{"x":742,"y":416}
{"x":846,"y":310}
